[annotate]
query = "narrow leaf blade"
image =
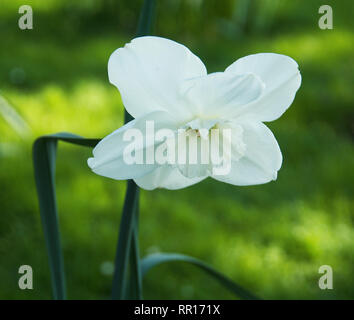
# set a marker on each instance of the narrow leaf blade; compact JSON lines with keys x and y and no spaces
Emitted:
{"x":159,"y":258}
{"x":44,"y":158}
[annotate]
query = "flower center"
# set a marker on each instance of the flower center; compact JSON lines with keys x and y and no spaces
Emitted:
{"x":208,"y":144}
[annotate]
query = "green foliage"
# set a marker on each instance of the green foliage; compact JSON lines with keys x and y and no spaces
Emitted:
{"x":271,"y":239}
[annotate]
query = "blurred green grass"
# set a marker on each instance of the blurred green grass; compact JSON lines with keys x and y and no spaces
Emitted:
{"x":271,"y":238}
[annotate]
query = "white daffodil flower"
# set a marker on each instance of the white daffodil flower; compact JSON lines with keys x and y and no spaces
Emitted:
{"x":164,"y":83}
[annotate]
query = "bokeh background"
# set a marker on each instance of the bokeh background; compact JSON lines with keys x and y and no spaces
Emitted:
{"x":271,"y":239}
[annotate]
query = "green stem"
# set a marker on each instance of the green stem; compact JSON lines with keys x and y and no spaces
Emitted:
{"x":126,"y":230}
{"x":146,"y":18}
{"x":127,"y":278}
{"x":135,"y":280}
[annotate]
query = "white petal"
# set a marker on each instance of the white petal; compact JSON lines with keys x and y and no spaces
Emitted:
{"x":148,"y":73}
{"x":221,"y":94}
{"x":282,"y":79}
{"x":262,"y":157}
{"x":167,"y":177}
{"x":108,"y":159}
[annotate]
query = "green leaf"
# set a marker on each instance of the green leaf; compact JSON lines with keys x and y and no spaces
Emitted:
{"x":44,"y":156}
{"x":156,"y":259}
